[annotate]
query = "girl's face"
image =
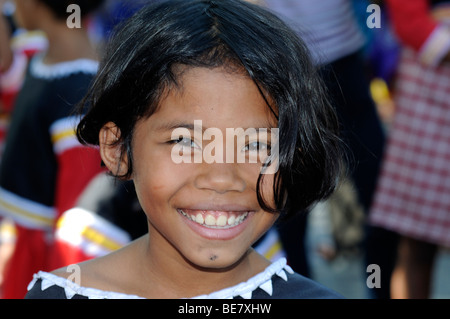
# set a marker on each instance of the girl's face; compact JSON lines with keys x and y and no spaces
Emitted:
{"x":200,"y":210}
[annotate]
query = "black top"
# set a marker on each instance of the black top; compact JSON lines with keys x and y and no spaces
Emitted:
{"x":278,"y":281}
{"x":37,"y":137}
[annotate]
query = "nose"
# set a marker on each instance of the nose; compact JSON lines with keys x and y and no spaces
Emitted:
{"x":220,"y":177}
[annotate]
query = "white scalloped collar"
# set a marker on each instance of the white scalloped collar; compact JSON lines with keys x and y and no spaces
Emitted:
{"x":262,"y":280}
{"x":63,"y":69}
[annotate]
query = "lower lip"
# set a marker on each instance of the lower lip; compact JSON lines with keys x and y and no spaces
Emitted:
{"x":217,"y":233}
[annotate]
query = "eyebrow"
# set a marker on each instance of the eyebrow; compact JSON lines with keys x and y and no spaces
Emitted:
{"x":170,"y":126}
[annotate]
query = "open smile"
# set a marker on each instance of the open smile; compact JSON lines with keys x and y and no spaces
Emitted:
{"x":216,"y":224}
{"x":214,"y":219}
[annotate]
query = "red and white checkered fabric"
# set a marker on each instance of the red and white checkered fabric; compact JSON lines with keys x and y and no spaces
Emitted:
{"x":413,"y":193}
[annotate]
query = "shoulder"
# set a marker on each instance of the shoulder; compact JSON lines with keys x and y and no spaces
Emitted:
{"x":50,"y":286}
{"x":98,"y":278}
{"x":62,"y":70}
{"x":297,"y":286}
{"x":69,"y":79}
{"x":277,"y":281}
{"x":284,"y":283}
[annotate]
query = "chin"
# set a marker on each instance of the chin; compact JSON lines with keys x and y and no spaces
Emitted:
{"x":216,"y":260}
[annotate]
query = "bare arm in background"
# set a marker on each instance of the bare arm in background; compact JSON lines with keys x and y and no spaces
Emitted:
{"x":6,"y":56}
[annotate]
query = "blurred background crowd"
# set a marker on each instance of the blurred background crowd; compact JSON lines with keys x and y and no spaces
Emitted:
{"x":386,"y":64}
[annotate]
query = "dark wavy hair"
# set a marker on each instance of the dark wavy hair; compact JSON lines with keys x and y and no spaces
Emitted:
{"x":139,"y":64}
{"x":59,"y":7}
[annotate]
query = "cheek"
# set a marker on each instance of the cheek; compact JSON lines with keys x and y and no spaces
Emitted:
{"x":157,"y":180}
{"x":152,"y":188}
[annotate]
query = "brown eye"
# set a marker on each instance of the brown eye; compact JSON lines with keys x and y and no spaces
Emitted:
{"x":256,"y":147}
{"x":184,"y":142}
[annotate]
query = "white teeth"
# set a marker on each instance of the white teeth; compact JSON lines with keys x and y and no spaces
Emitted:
{"x":223,"y":221}
{"x":231,"y":220}
{"x":210,"y":220}
{"x":199,"y":218}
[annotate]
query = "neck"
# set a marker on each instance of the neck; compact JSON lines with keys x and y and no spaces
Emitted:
{"x":174,"y":277}
{"x":65,"y":44}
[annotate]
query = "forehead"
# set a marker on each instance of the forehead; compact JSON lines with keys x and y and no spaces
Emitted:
{"x":217,"y":96}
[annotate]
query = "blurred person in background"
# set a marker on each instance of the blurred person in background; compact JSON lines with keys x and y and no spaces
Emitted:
{"x":6,"y":60}
{"x":44,"y":168}
{"x":16,"y":47}
{"x":413,"y":194}
{"x":97,"y":224}
{"x":6,"y":55}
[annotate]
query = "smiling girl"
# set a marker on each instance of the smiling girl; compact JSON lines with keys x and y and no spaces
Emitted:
{"x":229,"y":64}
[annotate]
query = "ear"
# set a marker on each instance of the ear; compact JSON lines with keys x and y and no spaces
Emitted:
{"x":111,"y":149}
